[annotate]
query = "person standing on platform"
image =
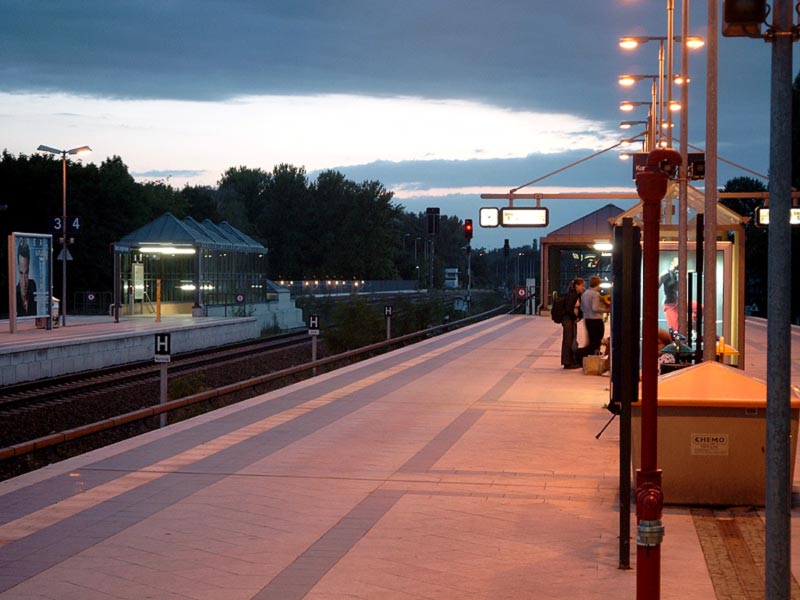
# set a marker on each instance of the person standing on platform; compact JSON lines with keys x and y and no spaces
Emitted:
{"x":569,"y":323}
{"x":594,"y":309}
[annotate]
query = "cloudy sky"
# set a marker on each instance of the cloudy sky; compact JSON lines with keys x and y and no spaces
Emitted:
{"x":440,"y":100}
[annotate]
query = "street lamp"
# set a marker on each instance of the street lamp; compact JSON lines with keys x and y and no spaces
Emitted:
{"x":73,"y":151}
{"x":688,"y":43}
{"x":692,"y":43}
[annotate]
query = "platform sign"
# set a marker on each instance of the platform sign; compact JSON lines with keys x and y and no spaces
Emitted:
{"x":73,"y":225}
{"x":313,"y":325}
{"x":489,"y":216}
{"x":762,"y":217}
{"x":387,"y":310}
{"x":163,"y":347}
{"x":528,"y":216}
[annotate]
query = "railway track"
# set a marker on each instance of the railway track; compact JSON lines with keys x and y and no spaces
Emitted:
{"x":58,"y":390}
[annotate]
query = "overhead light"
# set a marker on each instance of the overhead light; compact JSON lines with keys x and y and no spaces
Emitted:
{"x":602,"y":246}
{"x":166,"y":250}
{"x":694,"y":42}
{"x":629,"y":43}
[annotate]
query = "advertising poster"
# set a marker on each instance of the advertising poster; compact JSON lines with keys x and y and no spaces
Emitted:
{"x":668,"y":270}
{"x":32,"y":268}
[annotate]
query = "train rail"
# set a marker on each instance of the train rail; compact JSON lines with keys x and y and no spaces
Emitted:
{"x":64,"y":388}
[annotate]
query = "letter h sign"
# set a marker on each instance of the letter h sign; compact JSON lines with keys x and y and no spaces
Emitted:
{"x":162,"y":344}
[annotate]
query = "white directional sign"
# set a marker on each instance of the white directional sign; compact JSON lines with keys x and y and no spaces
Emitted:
{"x":509,"y":216}
{"x":489,"y":216}
{"x":524,"y":217}
{"x":762,"y":216}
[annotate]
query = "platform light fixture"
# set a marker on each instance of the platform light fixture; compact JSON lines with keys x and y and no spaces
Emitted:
{"x":80,"y":150}
{"x":166,"y":250}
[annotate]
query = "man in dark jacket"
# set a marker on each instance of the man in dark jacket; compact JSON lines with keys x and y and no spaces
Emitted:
{"x":572,"y":314}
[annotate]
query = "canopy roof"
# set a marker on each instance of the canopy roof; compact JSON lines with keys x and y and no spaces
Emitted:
{"x":595,"y":225}
{"x":168,"y":230}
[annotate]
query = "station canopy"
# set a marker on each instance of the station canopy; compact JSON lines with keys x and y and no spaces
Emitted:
{"x":168,"y":231}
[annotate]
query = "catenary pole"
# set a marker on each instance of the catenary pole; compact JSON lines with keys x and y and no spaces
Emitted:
{"x":683,"y":204}
{"x":709,"y":332}
{"x":779,"y":272}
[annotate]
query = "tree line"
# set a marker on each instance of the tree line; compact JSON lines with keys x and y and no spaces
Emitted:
{"x":328,"y":227}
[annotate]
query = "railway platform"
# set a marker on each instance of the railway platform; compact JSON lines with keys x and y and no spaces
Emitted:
{"x":465,"y":466}
{"x":95,"y":342}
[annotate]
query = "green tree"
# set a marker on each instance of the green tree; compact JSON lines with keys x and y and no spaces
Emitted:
{"x":285,"y":222}
{"x":755,"y":239}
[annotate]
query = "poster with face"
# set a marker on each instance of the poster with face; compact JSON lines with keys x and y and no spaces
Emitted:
{"x":32,"y":274}
{"x":668,"y":282}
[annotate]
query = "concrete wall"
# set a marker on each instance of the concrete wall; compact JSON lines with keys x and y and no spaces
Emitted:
{"x":280,"y":313}
{"x":42,"y":359}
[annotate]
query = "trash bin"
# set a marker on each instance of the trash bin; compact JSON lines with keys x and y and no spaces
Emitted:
{"x":712,"y":433}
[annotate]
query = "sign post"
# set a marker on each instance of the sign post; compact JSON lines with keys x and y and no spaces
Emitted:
{"x":313,"y":331}
{"x":162,"y":356}
{"x":158,"y":301}
{"x":387,"y":312}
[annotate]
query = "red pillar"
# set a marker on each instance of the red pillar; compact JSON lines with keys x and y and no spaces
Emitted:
{"x":651,"y":185}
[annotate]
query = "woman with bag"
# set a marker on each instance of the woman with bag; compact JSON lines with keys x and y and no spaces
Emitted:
{"x":572,"y":314}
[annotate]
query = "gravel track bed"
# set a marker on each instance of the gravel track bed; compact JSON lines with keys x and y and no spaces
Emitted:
{"x":96,"y":406}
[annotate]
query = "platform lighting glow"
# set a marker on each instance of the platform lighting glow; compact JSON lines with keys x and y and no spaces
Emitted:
{"x":603,"y":246}
{"x":190,"y":287}
{"x":166,"y":250}
{"x":694,"y":42}
{"x":629,"y":43}
{"x":624,"y":156}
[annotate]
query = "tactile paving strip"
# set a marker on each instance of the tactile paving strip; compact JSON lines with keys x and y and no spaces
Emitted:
{"x":733,"y":545}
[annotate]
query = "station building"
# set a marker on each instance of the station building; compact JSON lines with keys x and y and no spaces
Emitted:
{"x":200,"y":269}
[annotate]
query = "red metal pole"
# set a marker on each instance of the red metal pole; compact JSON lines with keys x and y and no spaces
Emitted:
{"x":651,"y":185}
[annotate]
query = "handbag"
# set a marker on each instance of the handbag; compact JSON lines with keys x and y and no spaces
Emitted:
{"x":582,"y":335}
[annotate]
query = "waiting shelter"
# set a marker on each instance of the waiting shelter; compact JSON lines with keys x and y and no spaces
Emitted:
{"x":730,"y":247}
{"x":582,"y":248}
{"x":198,"y":268}
{"x":577,"y":250}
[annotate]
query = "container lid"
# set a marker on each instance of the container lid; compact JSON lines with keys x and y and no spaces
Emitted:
{"x":714,"y":384}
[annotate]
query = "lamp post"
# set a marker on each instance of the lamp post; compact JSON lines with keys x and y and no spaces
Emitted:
{"x":687,"y":43}
{"x":692,"y":43}
{"x":73,"y":151}
{"x":629,"y":106}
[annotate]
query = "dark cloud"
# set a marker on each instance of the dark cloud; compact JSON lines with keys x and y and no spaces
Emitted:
{"x":514,"y":53}
{"x":523,"y":54}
